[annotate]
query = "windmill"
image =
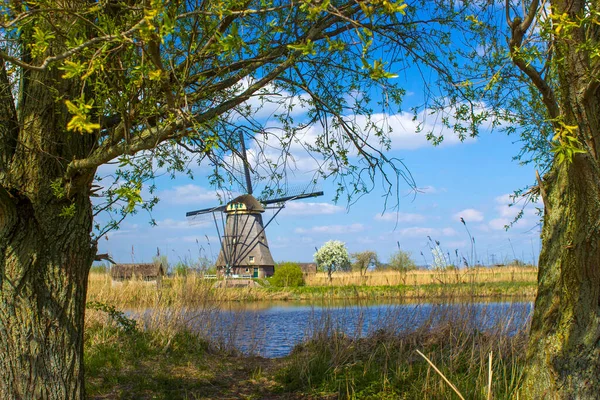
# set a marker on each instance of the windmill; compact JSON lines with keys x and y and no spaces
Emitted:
{"x":244,"y":246}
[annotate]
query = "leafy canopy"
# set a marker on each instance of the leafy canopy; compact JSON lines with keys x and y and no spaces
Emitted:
{"x":364,"y":260}
{"x":157,"y":86}
{"x":333,"y":257}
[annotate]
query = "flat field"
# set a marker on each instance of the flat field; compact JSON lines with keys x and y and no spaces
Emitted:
{"x":192,"y":289}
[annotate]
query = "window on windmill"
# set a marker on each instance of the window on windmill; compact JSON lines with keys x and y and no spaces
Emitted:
{"x":251,"y":259}
{"x":247,"y":269}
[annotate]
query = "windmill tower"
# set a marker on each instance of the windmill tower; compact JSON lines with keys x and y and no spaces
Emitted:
{"x":244,"y":247}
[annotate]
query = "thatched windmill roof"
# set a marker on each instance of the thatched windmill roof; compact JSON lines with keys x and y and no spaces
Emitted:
{"x":248,"y":203}
{"x":148,"y":271}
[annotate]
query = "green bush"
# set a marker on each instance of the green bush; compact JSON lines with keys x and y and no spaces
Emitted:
{"x":181,"y":269}
{"x":401,"y":261}
{"x":287,"y":274}
{"x":99,"y":269}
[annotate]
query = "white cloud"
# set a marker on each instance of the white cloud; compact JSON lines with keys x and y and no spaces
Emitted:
{"x":456,"y":244}
{"x":403,"y":130}
{"x":448,"y":232}
{"x":469,"y":215}
{"x":332,"y":229}
{"x":417,"y":231}
{"x":365,"y":240}
{"x":427,"y":190}
{"x":169,"y":223}
{"x":499,"y":223}
{"x":508,"y":210}
{"x":270,"y":100}
{"x":307,"y":208}
{"x":400,"y":217}
{"x":189,"y":194}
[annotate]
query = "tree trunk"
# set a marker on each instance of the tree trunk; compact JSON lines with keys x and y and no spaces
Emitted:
{"x":45,"y":245}
{"x":44,"y":264}
{"x":563,"y":360}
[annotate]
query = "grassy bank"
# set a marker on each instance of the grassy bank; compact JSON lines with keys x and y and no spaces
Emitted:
{"x":192,"y":290}
{"x":426,"y":277}
{"x":168,"y":361}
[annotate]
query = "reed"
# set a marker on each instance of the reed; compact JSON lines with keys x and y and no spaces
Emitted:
{"x":387,"y":362}
{"x":165,"y":358}
{"x":192,"y":290}
{"x":425,"y":277}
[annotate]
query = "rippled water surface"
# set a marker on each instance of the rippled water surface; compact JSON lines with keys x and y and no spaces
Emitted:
{"x":272,"y":329}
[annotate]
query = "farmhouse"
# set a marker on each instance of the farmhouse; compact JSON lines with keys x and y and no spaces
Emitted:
{"x":148,"y":272}
{"x":308,"y":268}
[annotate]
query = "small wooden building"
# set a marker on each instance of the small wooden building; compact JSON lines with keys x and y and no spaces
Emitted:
{"x":148,"y":272}
{"x":308,"y":268}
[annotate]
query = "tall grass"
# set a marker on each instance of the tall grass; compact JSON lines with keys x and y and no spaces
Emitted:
{"x":179,"y":354}
{"x":194,"y":291}
{"x":386,"y":364}
{"x":424,"y":277}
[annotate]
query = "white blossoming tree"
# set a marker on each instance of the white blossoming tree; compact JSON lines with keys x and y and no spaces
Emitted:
{"x":332,"y":257}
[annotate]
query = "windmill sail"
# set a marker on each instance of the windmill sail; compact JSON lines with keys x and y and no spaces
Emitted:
{"x":244,"y":246}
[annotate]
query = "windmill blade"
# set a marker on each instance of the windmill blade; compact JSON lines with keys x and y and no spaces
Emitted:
{"x":205,"y":211}
{"x":291,"y":198}
{"x":246,"y":164}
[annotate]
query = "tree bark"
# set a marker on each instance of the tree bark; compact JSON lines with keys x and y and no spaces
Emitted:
{"x":563,"y":360}
{"x":45,"y":252}
{"x":44,"y":266}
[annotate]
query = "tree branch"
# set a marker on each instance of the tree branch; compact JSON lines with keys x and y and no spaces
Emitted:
{"x":518,"y":30}
{"x":104,"y":256}
{"x":151,"y":137}
{"x":49,"y":60}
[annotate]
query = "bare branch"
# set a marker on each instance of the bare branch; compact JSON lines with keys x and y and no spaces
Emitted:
{"x":104,"y":256}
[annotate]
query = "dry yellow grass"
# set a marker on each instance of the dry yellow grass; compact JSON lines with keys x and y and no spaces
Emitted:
{"x":193,"y":291}
{"x":422,"y":277}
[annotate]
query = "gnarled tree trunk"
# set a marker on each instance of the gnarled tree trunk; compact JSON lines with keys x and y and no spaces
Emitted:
{"x":44,"y":264}
{"x":45,"y":245}
{"x":564,"y":349}
{"x":563,"y":360}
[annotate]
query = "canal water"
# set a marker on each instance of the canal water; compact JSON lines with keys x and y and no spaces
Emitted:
{"x":272,"y":329}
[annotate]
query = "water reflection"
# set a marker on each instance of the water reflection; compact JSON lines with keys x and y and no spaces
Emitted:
{"x":272,"y":329}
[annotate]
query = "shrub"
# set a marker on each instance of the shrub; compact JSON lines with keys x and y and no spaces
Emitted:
{"x":99,"y":269}
{"x":401,"y":261}
{"x":287,"y":274}
{"x":364,"y":260}
{"x":181,"y":269}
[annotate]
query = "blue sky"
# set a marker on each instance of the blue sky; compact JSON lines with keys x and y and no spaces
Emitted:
{"x":471,"y":180}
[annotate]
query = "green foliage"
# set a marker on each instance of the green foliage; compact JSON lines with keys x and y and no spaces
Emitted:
{"x":148,"y":80}
{"x":68,"y":211}
{"x":80,"y":121}
{"x":364,"y":260}
{"x":401,"y":261}
{"x":126,"y":324}
{"x":332,"y":257}
{"x":137,"y":365}
{"x":566,"y":143}
{"x":384,"y":364}
{"x":181,"y":269}
{"x":99,"y":269}
{"x":41,"y":41}
{"x":287,"y":274}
